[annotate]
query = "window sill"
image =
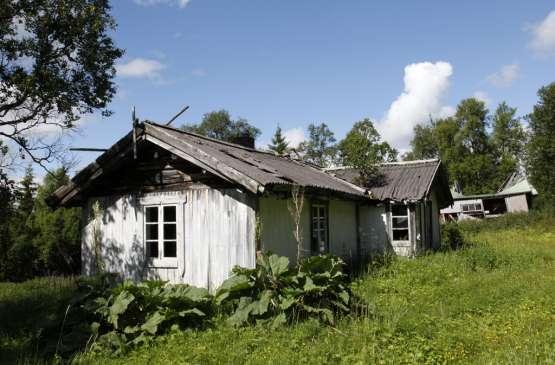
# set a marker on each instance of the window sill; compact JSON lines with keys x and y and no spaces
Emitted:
{"x":162,"y":264}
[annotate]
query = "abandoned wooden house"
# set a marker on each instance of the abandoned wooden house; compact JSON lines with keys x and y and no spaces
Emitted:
{"x":168,"y":204}
{"x":515,"y":195}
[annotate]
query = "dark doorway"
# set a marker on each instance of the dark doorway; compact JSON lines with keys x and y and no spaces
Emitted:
{"x":495,"y":206}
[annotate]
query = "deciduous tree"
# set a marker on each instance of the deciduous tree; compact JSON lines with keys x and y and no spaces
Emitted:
{"x":320,"y":148}
{"x":363,"y":149}
{"x":56,"y":64}
{"x":218,"y":124}
{"x":541,"y":146}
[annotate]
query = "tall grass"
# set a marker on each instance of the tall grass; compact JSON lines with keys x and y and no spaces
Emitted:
{"x":31,"y":314}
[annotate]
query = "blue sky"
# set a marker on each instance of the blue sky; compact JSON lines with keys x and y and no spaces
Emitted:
{"x":297,"y":62}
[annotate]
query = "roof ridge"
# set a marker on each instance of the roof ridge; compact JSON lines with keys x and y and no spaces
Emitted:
{"x":215,"y":140}
{"x":397,"y":163}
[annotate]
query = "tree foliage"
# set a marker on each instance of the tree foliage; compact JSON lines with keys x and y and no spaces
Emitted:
{"x":56,"y":64}
{"x":541,"y":146}
{"x":218,"y":124}
{"x":477,"y":160}
{"x":363,"y":149}
{"x":37,"y":240}
{"x":279,"y":144}
{"x":320,"y":148}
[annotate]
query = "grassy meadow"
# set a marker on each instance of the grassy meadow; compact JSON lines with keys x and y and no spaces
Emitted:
{"x":490,"y":303}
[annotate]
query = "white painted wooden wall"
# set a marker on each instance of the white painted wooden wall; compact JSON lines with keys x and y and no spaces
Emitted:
{"x":516,"y":203}
{"x":374,"y":234}
{"x":217,"y":232}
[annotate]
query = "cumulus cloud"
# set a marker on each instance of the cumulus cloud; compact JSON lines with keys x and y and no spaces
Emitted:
{"x":180,"y":3}
{"x":294,"y":136}
{"x":140,"y":68}
{"x":505,"y":76}
{"x":543,"y":35}
{"x":426,"y":85}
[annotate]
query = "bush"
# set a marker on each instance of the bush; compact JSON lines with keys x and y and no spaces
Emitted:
{"x":274,"y":292}
{"x":452,"y":237}
{"x":134,"y":312}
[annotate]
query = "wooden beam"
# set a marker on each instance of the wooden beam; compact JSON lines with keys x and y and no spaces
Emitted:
{"x":197,"y":156}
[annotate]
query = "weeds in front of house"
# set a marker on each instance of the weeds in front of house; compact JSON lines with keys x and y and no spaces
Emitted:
{"x":489,"y":302}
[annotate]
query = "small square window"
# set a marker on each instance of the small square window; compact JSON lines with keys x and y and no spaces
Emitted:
{"x":170,"y":249}
{"x":169,"y":214}
{"x":170,"y":231}
{"x":152,"y":249}
{"x":152,"y":232}
{"x":151,"y":214}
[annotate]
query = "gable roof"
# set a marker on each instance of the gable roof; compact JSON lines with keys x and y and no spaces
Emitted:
{"x":405,"y":181}
{"x":253,"y":169}
{"x":516,"y":184}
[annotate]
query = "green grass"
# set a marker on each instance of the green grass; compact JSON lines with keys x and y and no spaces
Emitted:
{"x":488,"y":304}
{"x":31,"y":314}
{"x":491,"y":303}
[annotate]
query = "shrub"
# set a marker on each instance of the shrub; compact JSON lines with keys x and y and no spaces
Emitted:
{"x":274,"y":292}
{"x":452,"y":237}
{"x":134,"y":312}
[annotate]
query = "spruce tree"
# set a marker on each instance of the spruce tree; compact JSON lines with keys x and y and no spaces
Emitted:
{"x":279,"y":144}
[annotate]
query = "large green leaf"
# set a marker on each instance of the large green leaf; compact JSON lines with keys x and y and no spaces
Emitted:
{"x":151,"y":324}
{"x":260,"y":306}
{"x":233,"y":284}
{"x":194,"y":311}
{"x":121,"y":302}
{"x":278,"y":264}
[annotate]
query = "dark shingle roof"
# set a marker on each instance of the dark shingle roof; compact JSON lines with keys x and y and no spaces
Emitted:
{"x":253,"y":169}
{"x":410,"y":180}
{"x":263,"y":167}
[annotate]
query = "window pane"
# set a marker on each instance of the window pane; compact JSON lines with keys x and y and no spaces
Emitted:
{"x":322,"y":212}
{"x":170,"y":249}
{"x":151,"y":231}
{"x":398,"y":209}
{"x":400,"y":235}
{"x":322,"y":224}
{"x":315,"y":212}
{"x":169,"y":231}
{"x":169,"y":214}
{"x":400,"y":222}
{"x":151,"y":214}
{"x":152,"y":249}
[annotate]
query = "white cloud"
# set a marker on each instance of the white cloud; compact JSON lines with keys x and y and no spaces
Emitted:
{"x":505,"y":76}
{"x":482,"y":96}
{"x":180,"y":3}
{"x":426,"y":85}
{"x":294,"y":136}
{"x":198,"y":72}
{"x":543,"y":35}
{"x":140,"y":68}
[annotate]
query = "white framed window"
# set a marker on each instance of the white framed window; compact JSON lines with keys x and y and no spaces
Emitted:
{"x":160,"y":234}
{"x":319,"y":228}
{"x":472,"y":207}
{"x":400,"y":229}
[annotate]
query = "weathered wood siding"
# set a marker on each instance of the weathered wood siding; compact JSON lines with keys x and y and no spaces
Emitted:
{"x":374,"y":235}
{"x":436,"y":227}
{"x":216,"y":229}
{"x":343,"y":228}
{"x":277,"y":227}
{"x":516,"y":203}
